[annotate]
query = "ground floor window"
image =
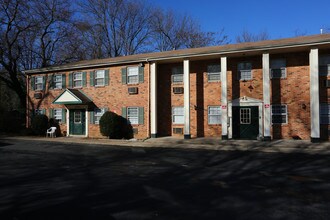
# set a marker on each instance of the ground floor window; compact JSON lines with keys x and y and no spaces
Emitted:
{"x":98,"y":114}
{"x":177,"y":115}
{"x":279,"y":114}
{"x":39,"y":111}
{"x":325,"y":113}
{"x":214,"y":115}
{"x":133,"y":115}
{"x":58,"y":115}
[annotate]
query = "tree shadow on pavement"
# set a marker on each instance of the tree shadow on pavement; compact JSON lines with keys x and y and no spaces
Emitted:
{"x":155,"y":183}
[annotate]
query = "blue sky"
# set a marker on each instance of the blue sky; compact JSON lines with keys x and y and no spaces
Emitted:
{"x":280,"y":18}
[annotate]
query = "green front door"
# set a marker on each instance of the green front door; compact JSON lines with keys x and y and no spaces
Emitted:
{"x":77,"y":121}
{"x":245,"y":122}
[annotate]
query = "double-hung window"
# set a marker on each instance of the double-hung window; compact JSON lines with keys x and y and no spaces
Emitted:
{"x":58,"y":114}
{"x":133,"y":115}
{"x":214,"y":115}
{"x":324,"y":66}
{"x":278,"y":68}
{"x":98,"y":114}
{"x":325,"y":114}
{"x":39,"y":83}
{"x":132,"y":75}
{"x":244,"y":71}
{"x":279,"y":114}
{"x":57,"y":81}
{"x":213,"y":73}
{"x":99,"y":77}
{"x":178,"y":115}
{"x":77,"y":80}
{"x":177,"y":74}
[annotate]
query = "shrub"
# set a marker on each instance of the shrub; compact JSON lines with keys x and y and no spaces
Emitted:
{"x":39,"y":124}
{"x":115,"y":126}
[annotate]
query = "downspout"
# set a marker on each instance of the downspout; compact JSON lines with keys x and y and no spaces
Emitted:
{"x":148,"y":108}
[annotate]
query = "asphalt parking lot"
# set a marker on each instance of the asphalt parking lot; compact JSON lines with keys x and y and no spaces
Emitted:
{"x":53,"y":180}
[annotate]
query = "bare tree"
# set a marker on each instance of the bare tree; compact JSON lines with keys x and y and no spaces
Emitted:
{"x":173,"y":31}
{"x":247,"y":36}
{"x":15,"y":21}
{"x":117,"y":27}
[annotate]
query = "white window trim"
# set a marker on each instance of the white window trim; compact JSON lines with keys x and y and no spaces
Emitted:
{"x":135,"y":75}
{"x":76,"y":80}
{"x":208,"y":115}
{"x":129,"y":117}
{"x":173,"y":115}
{"x":96,"y":78}
{"x":213,"y":73}
{"x":286,"y":114}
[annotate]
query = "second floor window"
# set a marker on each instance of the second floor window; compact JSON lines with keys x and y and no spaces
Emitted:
{"x":132,"y":75}
{"x":58,"y":82}
{"x":244,"y":71}
{"x":39,"y":83}
{"x":324,"y":66}
{"x":213,"y":73}
{"x":99,"y":77}
{"x":77,"y":80}
{"x":278,"y":68}
{"x":177,"y":74}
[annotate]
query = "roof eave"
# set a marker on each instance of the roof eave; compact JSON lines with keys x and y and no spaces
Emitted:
{"x":213,"y":51}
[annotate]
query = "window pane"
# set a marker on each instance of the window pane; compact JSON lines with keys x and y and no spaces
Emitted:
{"x":277,"y":64}
{"x":178,"y":115}
{"x":99,"y":74}
{"x":77,"y":76}
{"x":177,"y":70}
{"x":177,"y":78}
{"x":132,"y":71}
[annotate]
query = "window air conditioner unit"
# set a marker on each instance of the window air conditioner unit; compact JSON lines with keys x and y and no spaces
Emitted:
{"x":178,"y":90}
{"x":133,"y":90}
{"x":177,"y":130}
{"x":38,"y":95}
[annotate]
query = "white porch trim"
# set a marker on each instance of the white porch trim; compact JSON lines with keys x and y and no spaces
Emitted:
{"x":224,"y":99}
{"x":266,"y":96}
{"x":186,"y":86}
{"x":314,"y":94}
{"x":153,"y":99}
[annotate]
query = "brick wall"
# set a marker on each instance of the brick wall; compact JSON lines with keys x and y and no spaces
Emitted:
{"x":114,"y":97}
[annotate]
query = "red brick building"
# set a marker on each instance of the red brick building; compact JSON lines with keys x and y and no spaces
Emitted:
{"x":263,"y":90}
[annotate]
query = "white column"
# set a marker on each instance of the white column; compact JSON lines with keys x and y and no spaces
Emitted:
{"x":224,"y":99}
{"x":67,"y":122}
{"x":314,"y":94}
{"x":266,"y":96}
{"x":186,"y":83}
{"x":153,"y":99}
